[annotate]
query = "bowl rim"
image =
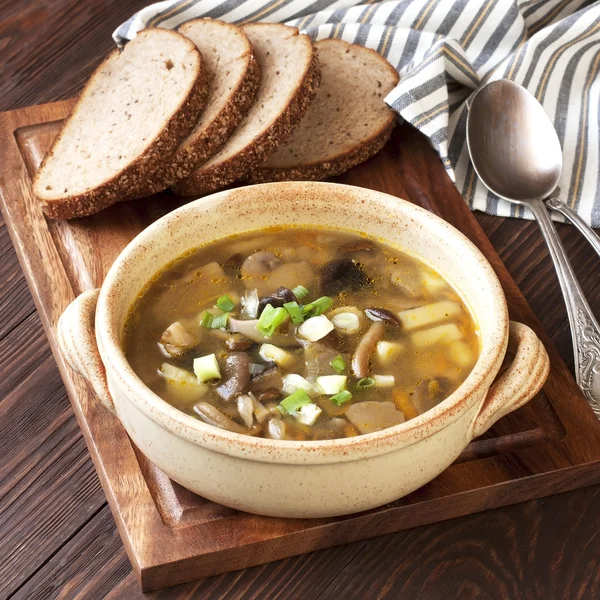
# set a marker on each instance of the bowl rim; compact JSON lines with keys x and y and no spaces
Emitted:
{"x":287,"y":451}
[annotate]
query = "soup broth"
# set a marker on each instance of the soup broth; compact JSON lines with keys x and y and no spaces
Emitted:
{"x":300,"y":334}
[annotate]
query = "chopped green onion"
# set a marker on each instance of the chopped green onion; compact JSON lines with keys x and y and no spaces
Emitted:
{"x":365,"y":383}
{"x":294,"y":311}
{"x":214,"y":321}
{"x":270,"y":319}
{"x":342,"y":397}
{"x":294,"y":402}
{"x":225,"y":303}
{"x":338,"y":364}
{"x":318,"y":307}
{"x":300,"y":292}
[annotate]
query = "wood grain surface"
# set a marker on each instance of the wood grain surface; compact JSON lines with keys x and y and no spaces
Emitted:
{"x":58,"y":537}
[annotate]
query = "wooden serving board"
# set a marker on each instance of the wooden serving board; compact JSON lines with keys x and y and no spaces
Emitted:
{"x":171,"y":535}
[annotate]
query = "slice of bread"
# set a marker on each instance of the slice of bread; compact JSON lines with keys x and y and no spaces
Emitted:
{"x":134,"y":111}
{"x":347,"y":123}
{"x":290,"y":77}
{"x":235,"y":76}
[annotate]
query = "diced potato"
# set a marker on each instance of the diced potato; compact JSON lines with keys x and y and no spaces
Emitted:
{"x":293,"y":382}
{"x":174,"y":374}
{"x":207,"y":368}
{"x":433,"y":283}
{"x":384,"y":381}
{"x":460,"y":354}
{"x":182,"y":383}
{"x":388,"y":352}
{"x":271,"y":352}
{"x":443,"y":334}
{"x":422,"y":316}
{"x":332,"y":384}
{"x":315,"y":328}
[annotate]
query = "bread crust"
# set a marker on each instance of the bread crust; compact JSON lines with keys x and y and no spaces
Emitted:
{"x":128,"y":181}
{"x":206,"y":180}
{"x":335,"y":166}
{"x":189,"y":156}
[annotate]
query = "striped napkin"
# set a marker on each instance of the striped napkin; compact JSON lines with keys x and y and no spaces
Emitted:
{"x":444,"y":50}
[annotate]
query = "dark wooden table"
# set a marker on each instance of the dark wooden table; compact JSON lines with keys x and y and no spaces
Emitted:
{"x":57,"y":536}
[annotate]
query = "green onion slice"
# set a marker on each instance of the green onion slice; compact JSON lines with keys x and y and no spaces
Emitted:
{"x":294,"y":402}
{"x":365,"y":383}
{"x":270,"y":319}
{"x":214,"y":321}
{"x":341,"y":397}
{"x":300,"y":292}
{"x":318,"y":307}
{"x":225,"y":303}
{"x":338,"y":364}
{"x":295,"y":312}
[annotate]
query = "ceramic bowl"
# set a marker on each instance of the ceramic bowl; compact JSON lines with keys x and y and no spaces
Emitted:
{"x":288,"y":478}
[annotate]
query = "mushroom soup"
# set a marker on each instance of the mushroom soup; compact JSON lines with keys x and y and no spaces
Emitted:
{"x":301,"y":334}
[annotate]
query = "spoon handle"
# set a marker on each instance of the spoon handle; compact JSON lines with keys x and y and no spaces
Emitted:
{"x":584,"y":327}
{"x":590,"y":235}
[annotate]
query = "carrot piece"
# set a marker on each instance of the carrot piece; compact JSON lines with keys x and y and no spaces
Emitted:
{"x":403,"y":403}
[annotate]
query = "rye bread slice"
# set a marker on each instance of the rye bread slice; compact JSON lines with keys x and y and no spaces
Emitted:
{"x":290,"y":77}
{"x":234,"y":74}
{"x":134,"y":111}
{"x":347,"y":123}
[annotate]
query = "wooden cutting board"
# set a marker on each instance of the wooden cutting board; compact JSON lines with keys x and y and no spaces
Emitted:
{"x":171,"y":535}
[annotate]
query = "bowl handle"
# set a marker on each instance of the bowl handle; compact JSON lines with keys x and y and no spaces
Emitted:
{"x":76,"y":336}
{"x":521,"y":381}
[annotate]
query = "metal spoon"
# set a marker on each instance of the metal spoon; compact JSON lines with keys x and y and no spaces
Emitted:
{"x":516,"y":153}
{"x":590,"y":235}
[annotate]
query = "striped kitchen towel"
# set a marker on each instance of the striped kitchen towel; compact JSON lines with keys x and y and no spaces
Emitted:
{"x":445,"y":49}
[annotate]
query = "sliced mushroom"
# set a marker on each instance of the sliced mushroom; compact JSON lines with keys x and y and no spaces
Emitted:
{"x":343,"y":274}
{"x":248,"y":329}
{"x":381,"y":314}
{"x":234,"y":263}
{"x":177,"y":340}
{"x":426,"y":395}
{"x":361,"y":245}
{"x":370,"y":415}
{"x":236,"y":342}
{"x":259,"y":264}
{"x":246,"y":409}
{"x":256,"y":270}
{"x":213,"y":416}
{"x":366,"y":347}
{"x":235,"y":376}
{"x":269,"y":395}
{"x":277,"y":299}
{"x":270,"y":379}
{"x":317,"y":359}
{"x":290,"y":275}
{"x":261,"y":413}
{"x":407,"y":281}
{"x":276,"y":429}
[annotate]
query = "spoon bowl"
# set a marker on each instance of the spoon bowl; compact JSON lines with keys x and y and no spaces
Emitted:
{"x":513,"y":144}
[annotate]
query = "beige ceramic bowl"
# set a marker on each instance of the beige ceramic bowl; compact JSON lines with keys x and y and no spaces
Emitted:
{"x":303,"y":479}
